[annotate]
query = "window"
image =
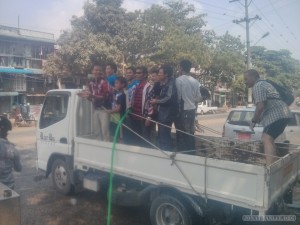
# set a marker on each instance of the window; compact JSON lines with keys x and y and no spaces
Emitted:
{"x":241,"y":118}
{"x":54,"y":109}
{"x":297,"y":115}
{"x":235,"y":116}
{"x":295,"y":120}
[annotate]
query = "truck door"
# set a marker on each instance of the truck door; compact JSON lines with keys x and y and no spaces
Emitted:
{"x":53,"y":128}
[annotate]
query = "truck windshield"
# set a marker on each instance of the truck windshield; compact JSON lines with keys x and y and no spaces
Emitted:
{"x":54,"y":109}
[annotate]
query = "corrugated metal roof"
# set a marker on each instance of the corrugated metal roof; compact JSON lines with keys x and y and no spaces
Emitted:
{"x":3,"y":94}
{"x":15,"y":71}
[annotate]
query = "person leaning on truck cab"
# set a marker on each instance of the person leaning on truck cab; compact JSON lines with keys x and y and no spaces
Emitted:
{"x":9,"y":156}
{"x":270,"y":111}
{"x":100,"y":96}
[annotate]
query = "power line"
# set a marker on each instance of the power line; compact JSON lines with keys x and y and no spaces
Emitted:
{"x":274,"y":37}
{"x":214,"y":6}
{"x":267,"y":6}
{"x":271,"y":26}
{"x":286,"y":26}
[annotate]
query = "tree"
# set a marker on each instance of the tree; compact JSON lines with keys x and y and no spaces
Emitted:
{"x":161,"y":34}
{"x":226,"y":61}
{"x":94,"y":37}
{"x":278,"y":66}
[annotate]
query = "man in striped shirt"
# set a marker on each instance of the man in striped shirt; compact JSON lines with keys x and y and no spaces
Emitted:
{"x":270,"y":111}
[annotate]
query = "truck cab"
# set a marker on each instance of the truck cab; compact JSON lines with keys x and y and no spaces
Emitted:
{"x":55,"y":132}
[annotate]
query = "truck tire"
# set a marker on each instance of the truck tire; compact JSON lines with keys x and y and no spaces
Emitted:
{"x":168,"y":210}
{"x":61,"y":177}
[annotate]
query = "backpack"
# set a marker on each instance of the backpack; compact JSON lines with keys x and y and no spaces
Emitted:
{"x":204,"y":93}
{"x":286,"y":95}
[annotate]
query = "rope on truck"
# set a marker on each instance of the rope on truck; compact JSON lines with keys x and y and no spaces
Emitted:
{"x":171,"y":156}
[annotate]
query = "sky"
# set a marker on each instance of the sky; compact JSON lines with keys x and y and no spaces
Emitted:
{"x":279,"y":18}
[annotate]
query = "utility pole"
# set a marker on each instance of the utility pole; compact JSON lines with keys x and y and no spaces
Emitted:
{"x":247,"y":20}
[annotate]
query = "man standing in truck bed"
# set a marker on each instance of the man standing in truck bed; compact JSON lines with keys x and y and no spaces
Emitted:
{"x":100,"y":95}
{"x":271,"y":111}
{"x":188,"y":97}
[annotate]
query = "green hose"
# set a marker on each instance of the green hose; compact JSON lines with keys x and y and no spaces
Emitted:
{"x":112,"y":165}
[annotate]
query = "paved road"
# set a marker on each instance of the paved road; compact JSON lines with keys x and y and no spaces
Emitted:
{"x":24,"y":137}
{"x":212,"y":124}
{"x":42,"y":205}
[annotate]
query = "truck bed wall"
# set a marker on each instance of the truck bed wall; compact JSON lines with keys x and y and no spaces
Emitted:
{"x":230,"y":182}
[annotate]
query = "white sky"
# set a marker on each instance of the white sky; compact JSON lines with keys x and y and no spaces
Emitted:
{"x":280,"y":18}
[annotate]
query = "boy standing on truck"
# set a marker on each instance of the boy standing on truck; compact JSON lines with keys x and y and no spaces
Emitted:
{"x":99,"y":95}
{"x":132,"y":83}
{"x":9,"y":156}
{"x":154,"y":92}
{"x":118,"y":106}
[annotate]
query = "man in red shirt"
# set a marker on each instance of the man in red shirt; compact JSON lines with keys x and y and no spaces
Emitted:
{"x":100,"y":96}
{"x":138,"y":107}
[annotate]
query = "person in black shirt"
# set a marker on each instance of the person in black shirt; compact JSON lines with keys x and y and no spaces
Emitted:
{"x":167,"y":106}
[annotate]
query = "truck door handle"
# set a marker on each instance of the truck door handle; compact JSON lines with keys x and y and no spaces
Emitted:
{"x":63,"y":140}
{"x":291,"y":130}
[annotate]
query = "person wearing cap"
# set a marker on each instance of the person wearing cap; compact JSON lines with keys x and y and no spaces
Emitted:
{"x":9,"y":156}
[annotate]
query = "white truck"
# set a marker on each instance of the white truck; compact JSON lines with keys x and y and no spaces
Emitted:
{"x":204,"y":108}
{"x":208,"y":185}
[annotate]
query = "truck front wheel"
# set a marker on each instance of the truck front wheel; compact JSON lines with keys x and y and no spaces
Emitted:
{"x":168,"y":210}
{"x":61,"y":177}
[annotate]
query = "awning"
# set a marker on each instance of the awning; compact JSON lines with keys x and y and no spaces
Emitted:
{"x":13,"y":70}
{"x":3,"y":94}
{"x":36,"y":95}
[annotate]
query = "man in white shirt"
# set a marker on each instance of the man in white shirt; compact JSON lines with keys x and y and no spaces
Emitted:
{"x":188,"y":97}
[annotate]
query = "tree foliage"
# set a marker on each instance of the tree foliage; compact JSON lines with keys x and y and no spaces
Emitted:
{"x":226,"y":61}
{"x":278,"y":66}
{"x":162,"y":34}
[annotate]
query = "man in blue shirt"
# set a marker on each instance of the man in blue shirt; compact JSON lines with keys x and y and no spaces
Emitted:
{"x":132,"y":83}
{"x":111,"y":70}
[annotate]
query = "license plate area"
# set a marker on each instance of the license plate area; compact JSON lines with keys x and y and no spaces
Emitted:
{"x":243,"y":136}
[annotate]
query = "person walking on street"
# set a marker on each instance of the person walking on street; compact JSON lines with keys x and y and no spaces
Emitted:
{"x":188,"y":92}
{"x":9,"y":156}
{"x":167,"y":106}
{"x":271,"y":111}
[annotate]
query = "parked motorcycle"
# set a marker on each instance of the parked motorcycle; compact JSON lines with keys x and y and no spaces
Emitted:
{"x":20,"y":119}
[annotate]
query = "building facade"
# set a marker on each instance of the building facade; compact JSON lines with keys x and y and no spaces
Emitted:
{"x":23,"y":54}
